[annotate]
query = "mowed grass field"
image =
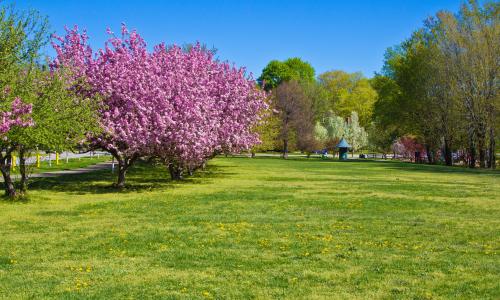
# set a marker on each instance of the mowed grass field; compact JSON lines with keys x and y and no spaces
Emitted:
{"x":260,"y":228}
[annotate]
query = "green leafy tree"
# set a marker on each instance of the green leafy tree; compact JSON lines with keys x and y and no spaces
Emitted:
{"x":277,"y":72}
{"x":61,"y":117}
{"x":470,"y":49}
{"x":22,"y":34}
{"x":388,"y":117}
{"x":347,"y":93}
{"x":57,"y":118}
{"x":269,"y":131}
{"x":380,"y":140}
{"x":439,"y":85}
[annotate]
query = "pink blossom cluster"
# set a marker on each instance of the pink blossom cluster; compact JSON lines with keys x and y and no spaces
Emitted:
{"x":181,"y":106}
{"x":407,"y":146}
{"x":19,"y":115}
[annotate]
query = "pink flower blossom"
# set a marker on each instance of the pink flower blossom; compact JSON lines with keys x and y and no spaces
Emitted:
{"x":19,"y":115}
{"x":181,"y":106}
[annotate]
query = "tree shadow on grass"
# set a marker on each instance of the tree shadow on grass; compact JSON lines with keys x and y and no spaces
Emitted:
{"x":142,"y":176}
{"x":390,"y":164}
{"x":412,"y":167}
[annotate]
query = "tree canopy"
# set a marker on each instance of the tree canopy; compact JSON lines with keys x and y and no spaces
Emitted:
{"x":439,"y":85}
{"x":178,"y":105}
{"x":348,"y":92}
{"x":277,"y":72}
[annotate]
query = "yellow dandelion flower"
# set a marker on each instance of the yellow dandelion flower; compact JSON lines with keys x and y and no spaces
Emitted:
{"x":206,"y":294}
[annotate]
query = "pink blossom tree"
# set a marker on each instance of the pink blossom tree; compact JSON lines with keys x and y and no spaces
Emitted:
{"x":209,"y":109}
{"x":180,"y":106}
{"x":120,"y":73}
{"x":408,"y":147}
{"x":18,"y":115}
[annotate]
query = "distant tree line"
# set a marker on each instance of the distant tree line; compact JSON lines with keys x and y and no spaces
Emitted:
{"x":437,"y":95}
{"x":440,"y":87}
{"x":314,"y":113}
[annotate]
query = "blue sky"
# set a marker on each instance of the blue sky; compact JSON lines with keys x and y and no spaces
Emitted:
{"x":336,"y":34}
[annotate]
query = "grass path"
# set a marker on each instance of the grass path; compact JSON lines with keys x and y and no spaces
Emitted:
{"x":257,"y":228}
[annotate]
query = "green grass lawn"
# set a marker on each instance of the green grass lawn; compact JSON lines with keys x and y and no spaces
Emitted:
{"x":257,"y":229}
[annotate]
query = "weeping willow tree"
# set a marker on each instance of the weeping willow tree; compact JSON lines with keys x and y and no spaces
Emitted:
{"x":331,"y":129}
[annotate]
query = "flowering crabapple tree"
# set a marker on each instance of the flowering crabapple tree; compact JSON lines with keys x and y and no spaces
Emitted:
{"x":210,"y":108}
{"x":408,"y":147}
{"x":18,"y":115}
{"x":121,"y":74}
{"x":180,"y":106}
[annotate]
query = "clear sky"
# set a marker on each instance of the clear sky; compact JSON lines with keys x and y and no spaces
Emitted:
{"x":335,"y":34}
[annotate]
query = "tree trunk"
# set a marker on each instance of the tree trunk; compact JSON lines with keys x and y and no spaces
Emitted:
{"x":472,"y":153}
{"x":22,"y":168}
{"x":447,"y":153}
{"x":253,"y":154}
{"x":122,"y":171}
{"x":482,"y":152}
{"x":417,"y":157}
{"x":430,"y":157}
{"x":491,"y":153}
{"x":285,"y":148}
{"x":175,"y":172}
{"x":9,"y":187}
{"x":123,"y":164}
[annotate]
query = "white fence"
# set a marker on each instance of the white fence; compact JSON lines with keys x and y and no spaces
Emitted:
{"x":64,"y":156}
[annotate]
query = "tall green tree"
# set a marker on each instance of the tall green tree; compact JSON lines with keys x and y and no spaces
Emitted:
{"x":57,"y":118}
{"x":22,"y":34}
{"x":277,"y":72}
{"x":413,"y":98}
{"x":347,"y":92}
{"x":295,"y":115}
{"x":470,"y":45}
{"x":441,"y":85}
{"x":269,"y":131}
{"x":61,"y":117}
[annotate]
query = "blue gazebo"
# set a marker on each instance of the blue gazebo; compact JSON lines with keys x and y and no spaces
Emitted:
{"x":343,"y":149}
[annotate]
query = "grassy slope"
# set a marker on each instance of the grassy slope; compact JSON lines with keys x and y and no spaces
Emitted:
{"x":258,"y":228}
